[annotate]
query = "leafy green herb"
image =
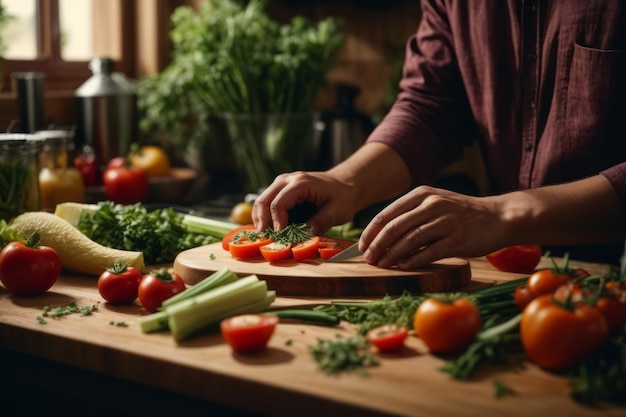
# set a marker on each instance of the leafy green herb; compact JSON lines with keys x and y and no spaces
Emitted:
{"x":159,"y":234}
{"x":8,"y":234}
{"x":229,"y":57}
{"x":343,"y":354}
{"x":293,"y":233}
{"x":41,"y":320}
{"x":371,"y":314}
{"x":288,"y":342}
{"x":118,"y":323}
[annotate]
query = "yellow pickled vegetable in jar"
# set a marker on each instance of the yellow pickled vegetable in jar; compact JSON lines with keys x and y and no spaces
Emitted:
{"x":58,"y":181}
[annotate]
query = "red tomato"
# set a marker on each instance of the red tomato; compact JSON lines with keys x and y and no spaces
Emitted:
{"x":305,"y":250}
{"x":275,"y":251}
{"x":547,"y":281}
{"x":247,"y":244}
{"x":328,"y":248}
{"x":157,"y":286}
{"x":125,"y":185}
{"x":117,"y":162}
{"x":447,"y":326}
{"x":520,"y":258}
{"x":229,"y":236}
{"x":87,"y":164}
{"x":248,"y":333}
{"x":28,"y":269}
{"x":614,"y":311}
{"x":522,"y":296}
{"x":388,"y":338}
{"x":557,"y":337}
{"x":120,"y":283}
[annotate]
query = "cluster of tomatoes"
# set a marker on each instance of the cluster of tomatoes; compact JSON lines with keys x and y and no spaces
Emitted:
{"x":244,"y":243}
{"x":125,"y":178}
{"x":568,"y":315}
{"x":121,"y":284}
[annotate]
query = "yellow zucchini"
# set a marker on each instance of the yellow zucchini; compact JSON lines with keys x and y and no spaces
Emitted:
{"x":77,"y":252}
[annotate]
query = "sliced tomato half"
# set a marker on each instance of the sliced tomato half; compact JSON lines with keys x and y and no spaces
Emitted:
{"x":276,"y":251}
{"x":388,"y":337}
{"x":329,"y":247}
{"x":248,"y":333}
{"x":247,"y":245}
{"x":305,"y":250}
{"x":229,"y":236}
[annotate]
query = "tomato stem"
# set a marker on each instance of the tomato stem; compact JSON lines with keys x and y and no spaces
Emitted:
{"x":32,"y":240}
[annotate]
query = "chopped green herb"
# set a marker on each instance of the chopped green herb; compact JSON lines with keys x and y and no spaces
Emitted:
{"x":343,"y":354}
{"x":41,"y":320}
{"x":288,"y":342}
{"x":70,"y":308}
{"x":501,"y":389}
{"x":212,"y":256}
{"x":118,"y":323}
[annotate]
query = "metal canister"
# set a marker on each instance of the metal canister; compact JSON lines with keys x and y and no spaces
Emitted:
{"x":107,"y":111}
{"x":19,"y":184}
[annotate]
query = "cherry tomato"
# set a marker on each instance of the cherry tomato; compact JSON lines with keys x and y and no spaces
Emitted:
{"x":87,"y":164}
{"x":27,"y":269}
{"x":522,"y":296}
{"x":521,"y":259}
{"x":547,"y":281}
{"x":614,"y":311}
{"x":229,"y":236}
{"x":388,"y":338}
{"x":275,"y":251}
{"x":157,"y":286}
{"x":248,"y":333}
{"x":447,"y":326}
{"x":305,"y":250}
{"x":558,"y":337}
{"x":125,"y":185}
{"x":153,"y":160}
{"x":119,"y":283}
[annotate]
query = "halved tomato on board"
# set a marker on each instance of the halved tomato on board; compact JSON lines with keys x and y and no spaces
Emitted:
{"x":247,"y":244}
{"x":329,"y":247}
{"x":229,"y":236}
{"x":276,"y":251}
{"x":388,"y":337}
{"x":248,"y":333}
{"x":305,"y":250}
{"x":519,"y":258}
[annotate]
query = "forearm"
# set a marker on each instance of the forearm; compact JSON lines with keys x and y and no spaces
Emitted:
{"x":375,"y":173}
{"x":585,"y":211}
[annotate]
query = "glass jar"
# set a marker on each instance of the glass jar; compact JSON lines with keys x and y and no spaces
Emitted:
{"x":19,"y":187}
{"x":59,"y":181}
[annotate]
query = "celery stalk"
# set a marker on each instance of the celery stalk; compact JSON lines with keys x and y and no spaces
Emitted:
{"x":206,"y":226}
{"x":186,"y":317}
{"x":216,"y":279}
{"x":154,"y":322}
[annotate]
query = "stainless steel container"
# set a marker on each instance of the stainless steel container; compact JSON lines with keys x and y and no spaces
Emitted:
{"x":107,"y":111}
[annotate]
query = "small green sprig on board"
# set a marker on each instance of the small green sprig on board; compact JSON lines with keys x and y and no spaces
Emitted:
{"x":344,"y":354}
{"x":371,"y":314}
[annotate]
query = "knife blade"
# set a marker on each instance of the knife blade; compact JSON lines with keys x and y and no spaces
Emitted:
{"x":348,"y":253}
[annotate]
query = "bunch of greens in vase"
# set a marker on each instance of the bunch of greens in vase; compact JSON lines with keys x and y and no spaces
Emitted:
{"x":234,"y":59}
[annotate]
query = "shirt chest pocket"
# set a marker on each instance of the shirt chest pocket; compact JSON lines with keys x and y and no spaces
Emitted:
{"x":596,"y":93}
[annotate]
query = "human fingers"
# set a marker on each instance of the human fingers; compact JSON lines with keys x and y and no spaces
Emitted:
{"x":391,"y":223}
{"x":262,"y":215}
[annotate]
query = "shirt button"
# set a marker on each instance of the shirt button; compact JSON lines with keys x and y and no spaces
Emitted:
{"x":528,"y":146}
{"x":533,"y":105}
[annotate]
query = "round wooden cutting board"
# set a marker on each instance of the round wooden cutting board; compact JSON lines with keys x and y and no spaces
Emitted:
{"x":320,"y":278}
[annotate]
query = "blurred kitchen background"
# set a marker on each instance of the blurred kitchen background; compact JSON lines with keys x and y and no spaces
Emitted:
{"x":68,"y":42}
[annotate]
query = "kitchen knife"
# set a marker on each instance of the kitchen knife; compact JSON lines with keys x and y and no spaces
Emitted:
{"x":348,"y":253}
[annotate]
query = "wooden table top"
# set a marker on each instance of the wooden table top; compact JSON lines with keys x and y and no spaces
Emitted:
{"x":282,"y":380}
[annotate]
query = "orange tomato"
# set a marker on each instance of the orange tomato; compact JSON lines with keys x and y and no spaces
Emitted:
{"x":153,"y":160}
{"x":275,"y":251}
{"x":558,"y":337}
{"x":447,"y":326}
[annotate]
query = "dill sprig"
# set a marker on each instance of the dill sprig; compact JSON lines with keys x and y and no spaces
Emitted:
{"x":293,"y":233}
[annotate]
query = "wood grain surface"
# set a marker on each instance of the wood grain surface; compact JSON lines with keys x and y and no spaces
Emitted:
{"x":320,"y":278}
{"x":283,"y":380}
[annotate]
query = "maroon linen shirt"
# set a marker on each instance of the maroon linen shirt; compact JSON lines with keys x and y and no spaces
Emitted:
{"x":540,"y":84}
